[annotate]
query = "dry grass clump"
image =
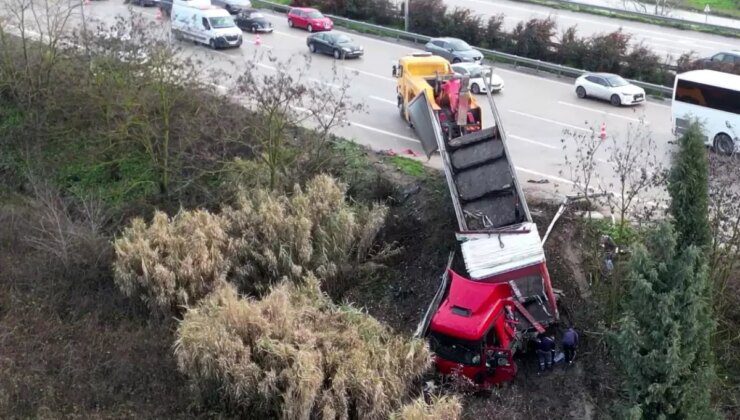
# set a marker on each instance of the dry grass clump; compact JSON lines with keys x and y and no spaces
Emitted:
{"x":447,"y":407}
{"x":314,"y":229}
{"x":296,"y":355}
{"x":173,"y":262}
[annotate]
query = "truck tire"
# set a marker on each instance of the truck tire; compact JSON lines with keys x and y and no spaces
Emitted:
{"x":723,"y":144}
{"x":400,"y":108}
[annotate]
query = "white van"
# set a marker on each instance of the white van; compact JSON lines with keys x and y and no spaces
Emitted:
{"x":199,"y":21}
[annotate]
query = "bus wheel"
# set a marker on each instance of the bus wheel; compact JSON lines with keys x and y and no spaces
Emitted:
{"x":723,"y":144}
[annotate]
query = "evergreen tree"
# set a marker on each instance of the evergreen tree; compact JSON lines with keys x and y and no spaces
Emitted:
{"x":663,"y":345}
{"x":688,"y":186}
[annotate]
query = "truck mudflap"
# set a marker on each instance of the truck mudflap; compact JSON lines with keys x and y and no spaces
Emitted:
{"x":444,"y":285}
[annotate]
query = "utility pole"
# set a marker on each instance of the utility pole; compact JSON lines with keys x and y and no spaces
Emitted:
{"x":406,"y":16}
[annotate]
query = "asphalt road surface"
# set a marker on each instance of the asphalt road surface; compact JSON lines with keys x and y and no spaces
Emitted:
{"x":664,"y":41}
{"x":535,"y":110}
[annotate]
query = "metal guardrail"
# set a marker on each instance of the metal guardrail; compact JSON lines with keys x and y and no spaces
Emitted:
{"x":492,"y":55}
{"x":611,"y":10}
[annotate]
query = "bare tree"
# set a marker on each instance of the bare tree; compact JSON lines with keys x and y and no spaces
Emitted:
{"x":633,"y":159}
{"x":580,"y":159}
{"x":284,"y":101}
{"x":662,"y":7}
{"x":38,"y":28}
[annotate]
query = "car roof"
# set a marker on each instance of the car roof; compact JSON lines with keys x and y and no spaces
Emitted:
{"x":305,"y":9}
{"x":446,"y":38}
{"x":215,"y":12}
{"x":602,"y":74}
{"x":712,"y":77}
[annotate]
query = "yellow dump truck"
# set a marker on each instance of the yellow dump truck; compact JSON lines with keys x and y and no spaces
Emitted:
{"x":429,"y":82}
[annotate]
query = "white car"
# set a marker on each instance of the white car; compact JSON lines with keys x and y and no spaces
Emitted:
{"x":480,"y":77}
{"x":610,"y":87}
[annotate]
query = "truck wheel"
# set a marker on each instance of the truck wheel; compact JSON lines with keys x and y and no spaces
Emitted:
{"x":475,"y":88}
{"x":723,"y":144}
{"x":400,"y":108}
{"x":309,"y":28}
{"x":581,"y":92}
{"x":615,"y":100}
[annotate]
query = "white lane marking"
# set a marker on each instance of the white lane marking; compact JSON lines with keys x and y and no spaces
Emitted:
{"x":524,"y":114}
{"x":290,"y":35}
{"x":387,"y":133}
{"x":265,"y":66}
{"x":388,"y":101}
{"x":531,"y":76}
{"x":367,"y":73}
{"x":600,"y":112}
{"x":322,"y":82}
{"x":526,"y":140}
{"x":554,"y":178}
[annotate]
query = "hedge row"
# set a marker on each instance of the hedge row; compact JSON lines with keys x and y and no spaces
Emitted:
{"x":536,"y":38}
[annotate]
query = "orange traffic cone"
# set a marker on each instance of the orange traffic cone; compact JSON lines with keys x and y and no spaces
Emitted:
{"x":258,"y":41}
{"x":603,"y":131}
{"x":158,"y":16}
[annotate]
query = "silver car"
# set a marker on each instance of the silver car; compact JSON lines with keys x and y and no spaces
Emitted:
{"x":610,"y":87}
{"x":454,"y":50}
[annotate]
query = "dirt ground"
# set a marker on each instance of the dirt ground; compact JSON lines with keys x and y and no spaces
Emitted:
{"x":422,"y":222}
{"x":72,"y":346}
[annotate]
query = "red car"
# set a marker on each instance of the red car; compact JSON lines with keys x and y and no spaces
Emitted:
{"x":310,"y":19}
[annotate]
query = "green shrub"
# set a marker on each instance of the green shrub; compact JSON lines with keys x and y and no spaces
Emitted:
{"x":295,"y":355}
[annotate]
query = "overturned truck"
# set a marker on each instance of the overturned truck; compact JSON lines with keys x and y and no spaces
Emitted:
{"x":482,"y":316}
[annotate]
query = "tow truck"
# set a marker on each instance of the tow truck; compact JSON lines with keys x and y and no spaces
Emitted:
{"x":484,"y":314}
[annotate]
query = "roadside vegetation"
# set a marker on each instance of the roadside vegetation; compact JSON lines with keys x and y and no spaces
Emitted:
{"x":169,"y":252}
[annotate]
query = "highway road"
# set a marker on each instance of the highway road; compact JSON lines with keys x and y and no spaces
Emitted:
{"x":664,"y":41}
{"x":535,"y":110}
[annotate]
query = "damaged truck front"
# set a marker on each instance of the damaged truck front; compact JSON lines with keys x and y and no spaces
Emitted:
{"x":483,"y":315}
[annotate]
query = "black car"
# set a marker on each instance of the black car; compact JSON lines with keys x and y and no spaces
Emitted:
{"x":253,"y":21}
{"x":334,"y":43}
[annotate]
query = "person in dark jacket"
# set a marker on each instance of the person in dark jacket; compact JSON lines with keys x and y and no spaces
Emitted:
{"x":570,"y":344}
{"x":545,"y":346}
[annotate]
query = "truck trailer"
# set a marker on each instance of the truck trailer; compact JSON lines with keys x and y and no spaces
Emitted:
{"x":483,"y":315}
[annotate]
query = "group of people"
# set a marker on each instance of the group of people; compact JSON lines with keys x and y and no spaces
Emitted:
{"x":545,"y":347}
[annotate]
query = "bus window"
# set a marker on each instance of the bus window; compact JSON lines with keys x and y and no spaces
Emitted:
{"x":708,"y":96}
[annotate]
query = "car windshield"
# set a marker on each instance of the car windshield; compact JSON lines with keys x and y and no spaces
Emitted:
{"x":615,"y":81}
{"x":455,"y":350}
{"x":221,"y":22}
{"x":315,"y":15}
{"x":256,"y":15}
{"x":459,"y":45}
{"x":342,"y":39}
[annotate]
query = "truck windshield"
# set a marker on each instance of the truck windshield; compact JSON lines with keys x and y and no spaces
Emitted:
{"x":221,"y":22}
{"x":455,"y":350}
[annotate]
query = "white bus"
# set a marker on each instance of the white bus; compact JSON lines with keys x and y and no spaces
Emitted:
{"x":713,"y":99}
